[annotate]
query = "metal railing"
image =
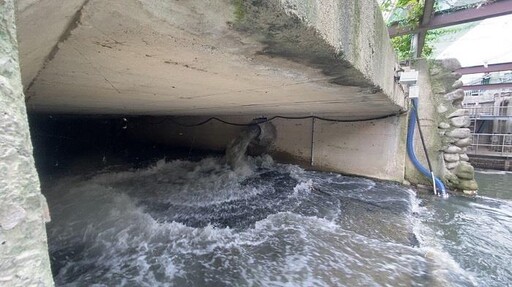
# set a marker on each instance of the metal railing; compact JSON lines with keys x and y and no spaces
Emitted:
{"x":491,"y":144}
{"x":487,"y":111}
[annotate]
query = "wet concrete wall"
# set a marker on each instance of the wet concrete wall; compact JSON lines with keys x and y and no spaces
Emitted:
{"x":23,"y":211}
{"x":428,"y":121}
{"x":371,"y":148}
{"x":445,"y":127}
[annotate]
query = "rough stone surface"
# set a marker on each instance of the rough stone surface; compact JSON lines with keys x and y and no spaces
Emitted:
{"x":452,"y":149}
{"x":456,"y":76}
{"x":460,"y":122}
{"x":451,"y":64}
{"x":452,"y":121}
{"x":451,"y":157}
{"x":470,"y":192}
{"x":459,"y":133}
{"x":449,"y":140}
{"x":24,"y":253}
{"x":457,"y":104}
{"x":11,"y":215}
{"x":455,"y":95}
{"x":442,"y":109}
{"x":442,"y":79}
{"x":450,"y":178}
{"x":465,"y":142}
{"x":465,"y":171}
{"x":444,"y":125}
{"x":457,"y":113}
{"x":458,"y":84}
{"x":452,"y":165}
{"x":468,"y":185}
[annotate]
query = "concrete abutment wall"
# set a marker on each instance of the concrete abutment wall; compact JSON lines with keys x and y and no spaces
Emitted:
{"x":445,"y":127}
{"x":23,"y":247}
{"x":369,"y":148}
{"x":106,"y":65}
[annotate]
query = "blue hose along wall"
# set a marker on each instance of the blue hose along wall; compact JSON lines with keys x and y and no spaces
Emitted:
{"x":412,"y":155}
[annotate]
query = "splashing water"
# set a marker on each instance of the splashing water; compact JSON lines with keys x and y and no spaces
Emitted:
{"x":236,"y":150}
{"x":183,"y":223}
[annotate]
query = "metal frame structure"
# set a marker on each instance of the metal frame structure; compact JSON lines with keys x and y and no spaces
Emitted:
{"x":487,"y":112}
{"x":488,"y":87}
{"x":485,"y":69}
{"x":431,"y":20}
{"x":489,"y":144}
{"x":483,"y":144}
{"x":502,"y":147}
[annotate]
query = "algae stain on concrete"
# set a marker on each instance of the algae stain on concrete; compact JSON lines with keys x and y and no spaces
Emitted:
{"x":355,"y":35}
{"x":240,"y":11}
{"x":285,"y":35}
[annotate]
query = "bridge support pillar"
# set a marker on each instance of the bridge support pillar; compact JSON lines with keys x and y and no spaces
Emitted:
{"x":24,"y":257}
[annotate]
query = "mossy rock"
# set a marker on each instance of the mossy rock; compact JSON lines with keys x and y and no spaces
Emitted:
{"x":451,"y":179}
{"x":465,"y":171}
{"x":468,"y":184}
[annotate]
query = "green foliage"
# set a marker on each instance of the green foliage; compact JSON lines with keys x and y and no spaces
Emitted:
{"x":402,"y":46}
{"x":413,"y":10}
{"x":404,"y":12}
{"x":408,"y":14}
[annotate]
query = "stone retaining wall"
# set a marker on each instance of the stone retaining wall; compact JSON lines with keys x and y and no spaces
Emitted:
{"x":453,"y":123}
{"x":23,"y":247}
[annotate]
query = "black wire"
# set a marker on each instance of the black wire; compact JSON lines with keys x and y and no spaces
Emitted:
{"x":421,"y":137}
{"x":264,"y":120}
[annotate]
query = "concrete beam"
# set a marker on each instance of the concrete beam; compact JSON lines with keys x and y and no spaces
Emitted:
{"x":494,"y":9}
{"x":224,"y":57}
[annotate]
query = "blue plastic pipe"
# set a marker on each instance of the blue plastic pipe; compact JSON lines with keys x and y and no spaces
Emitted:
{"x":410,"y":150}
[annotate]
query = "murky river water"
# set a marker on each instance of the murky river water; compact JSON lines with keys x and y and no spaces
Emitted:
{"x":182,"y":223}
{"x":476,"y":232}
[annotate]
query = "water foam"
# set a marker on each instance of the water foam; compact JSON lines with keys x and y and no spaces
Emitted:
{"x":200,"y":223}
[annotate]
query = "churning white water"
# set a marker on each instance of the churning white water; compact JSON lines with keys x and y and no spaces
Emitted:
{"x":183,"y":223}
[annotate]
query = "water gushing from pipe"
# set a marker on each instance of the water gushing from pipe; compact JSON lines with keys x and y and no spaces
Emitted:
{"x":259,"y":136}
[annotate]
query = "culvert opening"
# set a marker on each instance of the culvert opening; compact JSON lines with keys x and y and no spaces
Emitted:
{"x":135,"y":202}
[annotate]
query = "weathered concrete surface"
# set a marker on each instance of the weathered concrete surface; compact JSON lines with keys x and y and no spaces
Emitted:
{"x":444,"y":126}
{"x":429,"y":122}
{"x":209,"y":57}
{"x":374,"y":148}
{"x":23,"y":248}
{"x":38,"y":36}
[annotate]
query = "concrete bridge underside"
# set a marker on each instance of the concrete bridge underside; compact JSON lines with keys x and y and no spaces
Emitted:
{"x":222,"y":57}
{"x":232,"y":58}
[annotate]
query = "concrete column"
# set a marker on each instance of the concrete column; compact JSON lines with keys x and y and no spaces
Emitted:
{"x":24,"y":257}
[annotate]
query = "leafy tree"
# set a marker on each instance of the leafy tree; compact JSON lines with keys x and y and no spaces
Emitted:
{"x":408,"y":13}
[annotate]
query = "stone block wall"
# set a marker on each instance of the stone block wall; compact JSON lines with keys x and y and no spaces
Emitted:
{"x":24,"y":257}
{"x":453,"y":127}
